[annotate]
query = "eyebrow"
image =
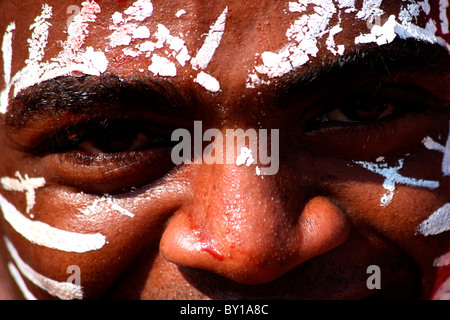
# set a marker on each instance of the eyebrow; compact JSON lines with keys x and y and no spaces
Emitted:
{"x":368,"y":61}
{"x":89,"y":95}
{"x":96,"y":96}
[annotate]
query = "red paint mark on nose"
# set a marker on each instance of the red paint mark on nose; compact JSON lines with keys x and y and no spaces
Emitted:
{"x":212,"y":250}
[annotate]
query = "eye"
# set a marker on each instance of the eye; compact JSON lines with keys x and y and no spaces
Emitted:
{"x":110,"y":156}
{"x":366,"y":123}
{"x":117,"y":139}
{"x":361,"y":111}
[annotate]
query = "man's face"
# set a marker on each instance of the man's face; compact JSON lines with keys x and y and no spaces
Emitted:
{"x":349,"y":106}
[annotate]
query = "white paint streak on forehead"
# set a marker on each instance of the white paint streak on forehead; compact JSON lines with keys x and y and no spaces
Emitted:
{"x":162,"y":67}
{"x":71,"y":59}
{"x":208,"y":82}
{"x":7,"y":63}
{"x":42,"y":234}
{"x":393,"y":177}
{"x":27,"y":185}
{"x":19,"y":281}
{"x":212,"y":41}
{"x":437,"y":223}
{"x":442,"y":261}
{"x":139,"y":10}
{"x":369,"y":9}
{"x":303,"y":35}
{"x":62,"y":290}
{"x":180,"y":13}
{"x":443,"y":292}
{"x":380,"y":34}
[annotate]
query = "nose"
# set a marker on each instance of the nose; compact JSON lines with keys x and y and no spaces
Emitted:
{"x":239,"y":226}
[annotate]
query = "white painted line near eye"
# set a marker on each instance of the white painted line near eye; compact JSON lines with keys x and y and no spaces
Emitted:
{"x":393,"y":177}
{"x":443,"y":292}
{"x":62,"y":290}
{"x":42,"y":234}
{"x":437,"y":223}
{"x":19,"y":281}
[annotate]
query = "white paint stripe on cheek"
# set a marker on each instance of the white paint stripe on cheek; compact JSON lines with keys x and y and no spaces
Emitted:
{"x":19,"y":281}
{"x":7,"y":63}
{"x":443,"y":6}
{"x":393,"y":177}
{"x":42,"y":234}
{"x":437,"y":223}
{"x":212,"y":41}
{"x":442,"y":261}
{"x":62,"y":290}
{"x":27,"y":185}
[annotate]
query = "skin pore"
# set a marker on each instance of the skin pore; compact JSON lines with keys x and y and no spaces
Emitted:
{"x":357,"y":89}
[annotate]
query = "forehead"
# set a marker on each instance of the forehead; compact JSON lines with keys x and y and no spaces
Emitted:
{"x":216,"y":44}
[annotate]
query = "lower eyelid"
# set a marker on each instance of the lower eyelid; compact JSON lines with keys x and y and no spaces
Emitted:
{"x":107,"y":173}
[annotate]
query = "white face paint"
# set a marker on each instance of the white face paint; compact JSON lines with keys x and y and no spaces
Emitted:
{"x":208,"y":82}
{"x":442,"y":261}
{"x":443,"y":292}
{"x":212,"y":41}
{"x":27,"y":185}
{"x":393,"y":177}
{"x":62,"y":290}
{"x":305,"y":32}
{"x":437,"y":223}
{"x":105,"y":203}
{"x":7,"y":62}
{"x":245,"y":157}
{"x":19,"y":281}
{"x":430,"y":144}
{"x":42,"y":234}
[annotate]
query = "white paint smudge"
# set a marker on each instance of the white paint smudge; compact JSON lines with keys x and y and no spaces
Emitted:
{"x":303,"y":37}
{"x":245,"y":157}
{"x":139,"y":10}
{"x":437,"y":223}
{"x":430,"y":144}
{"x":370,"y":8}
{"x":61,"y":290}
{"x":98,"y":206}
{"x":208,"y":82}
{"x":442,"y":261}
{"x":21,"y":184}
{"x":393,"y":177}
{"x":446,"y":159}
{"x":42,"y":234}
{"x":443,"y":293}
{"x":7,"y":63}
{"x":162,"y":67}
{"x":212,"y":41}
{"x":180,"y":13}
{"x":19,"y":281}
{"x":443,"y":6}
{"x":380,"y":34}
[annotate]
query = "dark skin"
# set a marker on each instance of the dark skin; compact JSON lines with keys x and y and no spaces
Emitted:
{"x":220,"y":231}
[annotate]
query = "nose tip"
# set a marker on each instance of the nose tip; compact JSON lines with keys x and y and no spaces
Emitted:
{"x":254,"y":247}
